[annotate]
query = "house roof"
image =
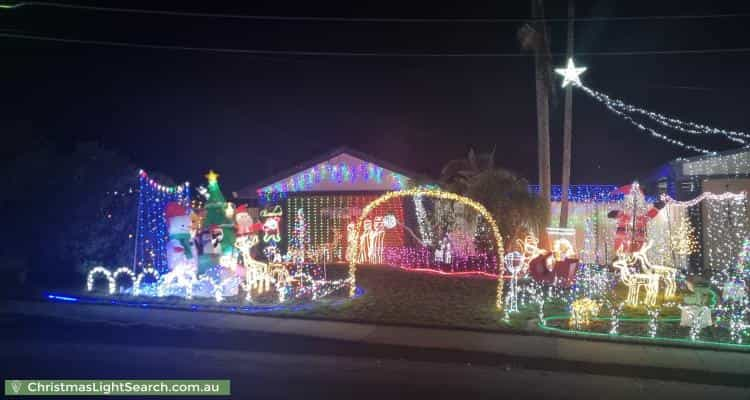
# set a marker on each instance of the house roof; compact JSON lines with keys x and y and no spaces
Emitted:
{"x":250,"y":191}
{"x":735,"y":161}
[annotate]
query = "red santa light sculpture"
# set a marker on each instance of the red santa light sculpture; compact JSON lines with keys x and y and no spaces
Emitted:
{"x":633,"y":219}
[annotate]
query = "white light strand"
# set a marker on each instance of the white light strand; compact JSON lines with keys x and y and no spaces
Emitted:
{"x":146,"y":271}
{"x":616,"y":313}
{"x":676,"y":124}
{"x":424,"y":227}
{"x":100,"y":271}
{"x":724,"y":231}
{"x":653,"y":321}
{"x":604,"y":99}
{"x":704,"y":196}
{"x":123,"y":270}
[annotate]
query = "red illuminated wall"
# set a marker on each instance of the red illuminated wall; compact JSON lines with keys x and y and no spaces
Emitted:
{"x":327,"y":216}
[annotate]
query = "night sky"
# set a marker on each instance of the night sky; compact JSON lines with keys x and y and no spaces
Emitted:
{"x":246,"y":116}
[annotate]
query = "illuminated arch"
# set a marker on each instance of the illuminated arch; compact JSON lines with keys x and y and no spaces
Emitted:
{"x":94,"y":272}
{"x":123,"y":271}
{"x":436,"y":194}
{"x":148,"y":271}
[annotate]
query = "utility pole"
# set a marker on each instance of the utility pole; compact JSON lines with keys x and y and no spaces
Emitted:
{"x":567,"y":126}
{"x":542,"y":71}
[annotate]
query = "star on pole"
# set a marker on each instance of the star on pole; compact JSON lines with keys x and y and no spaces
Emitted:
{"x":571,"y":73}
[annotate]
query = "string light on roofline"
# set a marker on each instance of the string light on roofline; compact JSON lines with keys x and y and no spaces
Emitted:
{"x":163,"y":188}
{"x":704,"y":196}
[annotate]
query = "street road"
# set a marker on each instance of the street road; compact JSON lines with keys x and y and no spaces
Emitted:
{"x":275,"y":366}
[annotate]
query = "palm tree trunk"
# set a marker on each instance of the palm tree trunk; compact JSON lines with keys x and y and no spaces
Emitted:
{"x":542,"y":106}
{"x":567,"y":127}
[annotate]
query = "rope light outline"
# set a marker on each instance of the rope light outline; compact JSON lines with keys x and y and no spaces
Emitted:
{"x":436,"y":194}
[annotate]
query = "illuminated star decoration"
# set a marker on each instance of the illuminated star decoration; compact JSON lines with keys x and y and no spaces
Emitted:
{"x":212,"y":176}
{"x":571,"y":74}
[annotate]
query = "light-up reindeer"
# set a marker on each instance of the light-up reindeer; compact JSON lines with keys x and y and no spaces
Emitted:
{"x":667,"y":274}
{"x":634,"y":281}
{"x":257,"y":274}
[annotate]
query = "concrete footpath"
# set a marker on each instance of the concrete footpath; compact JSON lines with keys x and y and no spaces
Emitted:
{"x":516,"y":345}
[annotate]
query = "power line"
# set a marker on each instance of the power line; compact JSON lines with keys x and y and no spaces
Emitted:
{"x":350,"y":53}
{"x":250,"y":51}
{"x":363,"y":20}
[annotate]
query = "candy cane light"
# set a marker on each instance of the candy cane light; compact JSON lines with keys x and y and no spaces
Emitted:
{"x":435,"y":194}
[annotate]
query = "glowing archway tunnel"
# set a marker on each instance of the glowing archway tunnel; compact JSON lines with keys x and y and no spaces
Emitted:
{"x":435,"y":194}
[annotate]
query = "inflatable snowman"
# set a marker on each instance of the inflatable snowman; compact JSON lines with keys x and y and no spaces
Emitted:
{"x":180,"y":249}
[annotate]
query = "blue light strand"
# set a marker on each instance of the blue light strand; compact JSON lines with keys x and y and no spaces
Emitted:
{"x":254,"y":309}
{"x":151,"y":228}
{"x":587,"y":193}
{"x":583,"y":193}
{"x":339,"y":172}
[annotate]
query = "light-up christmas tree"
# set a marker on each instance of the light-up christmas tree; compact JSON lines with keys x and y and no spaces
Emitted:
{"x":683,"y":240}
{"x":300,"y":240}
{"x":217,"y":216}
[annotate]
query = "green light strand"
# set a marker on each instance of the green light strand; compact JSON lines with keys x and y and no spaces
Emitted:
{"x":571,"y":332}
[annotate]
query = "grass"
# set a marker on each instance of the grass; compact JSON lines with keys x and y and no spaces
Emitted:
{"x":391,"y":296}
{"x":396,"y":296}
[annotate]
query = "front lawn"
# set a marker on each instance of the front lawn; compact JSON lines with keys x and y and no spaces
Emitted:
{"x":397,"y":296}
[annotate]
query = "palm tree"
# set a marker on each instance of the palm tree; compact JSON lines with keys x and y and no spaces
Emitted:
{"x":456,"y":173}
{"x":506,"y":196}
{"x":503,"y":193}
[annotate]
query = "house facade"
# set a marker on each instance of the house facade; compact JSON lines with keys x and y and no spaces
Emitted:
{"x":721,"y":222}
{"x":318,"y":202}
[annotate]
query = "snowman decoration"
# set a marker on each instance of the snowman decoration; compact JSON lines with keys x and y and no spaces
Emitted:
{"x":180,"y":248}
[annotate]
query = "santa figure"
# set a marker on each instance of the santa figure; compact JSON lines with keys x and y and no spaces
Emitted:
{"x":632,"y":221}
{"x":180,"y":249}
{"x":244,"y":224}
{"x":246,"y":231}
